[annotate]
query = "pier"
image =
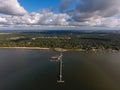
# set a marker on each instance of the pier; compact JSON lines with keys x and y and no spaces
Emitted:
{"x":60,"y":61}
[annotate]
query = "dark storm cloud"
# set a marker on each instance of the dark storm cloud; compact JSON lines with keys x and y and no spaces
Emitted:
{"x":85,"y":9}
{"x":65,"y":4}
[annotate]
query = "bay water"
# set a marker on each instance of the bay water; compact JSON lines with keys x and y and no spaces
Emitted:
{"x":22,"y":69}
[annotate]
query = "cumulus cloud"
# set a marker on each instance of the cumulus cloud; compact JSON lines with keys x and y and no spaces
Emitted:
{"x":42,"y":18}
{"x":82,"y":13}
{"x":3,"y":20}
{"x":109,"y":22}
{"x":85,"y":9}
{"x":11,"y":7}
{"x":52,"y":19}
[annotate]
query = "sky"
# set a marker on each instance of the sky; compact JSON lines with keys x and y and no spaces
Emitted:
{"x":60,"y":14}
{"x":35,"y":6}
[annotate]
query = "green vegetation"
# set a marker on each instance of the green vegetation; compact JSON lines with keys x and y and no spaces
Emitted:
{"x":83,"y":41}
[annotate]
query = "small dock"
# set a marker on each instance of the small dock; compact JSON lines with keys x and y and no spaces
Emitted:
{"x":59,"y":59}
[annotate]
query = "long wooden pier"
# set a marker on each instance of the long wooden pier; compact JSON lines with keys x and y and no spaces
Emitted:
{"x":59,"y":59}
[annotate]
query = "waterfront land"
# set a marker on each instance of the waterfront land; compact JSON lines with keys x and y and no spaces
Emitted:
{"x":68,"y":40}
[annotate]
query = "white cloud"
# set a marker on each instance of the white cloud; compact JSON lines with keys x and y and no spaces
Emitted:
{"x":3,"y":20}
{"x":50,"y":18}
{"x":46,"y":18}
{"x":100,"y":13}
{"x":111,"y":22}
{"x":11,"y":7}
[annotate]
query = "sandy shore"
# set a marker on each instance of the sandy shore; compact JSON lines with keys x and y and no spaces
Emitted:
{"x":60,"y":49}
{"x":36,"y":48}
{"x":33,"y":48}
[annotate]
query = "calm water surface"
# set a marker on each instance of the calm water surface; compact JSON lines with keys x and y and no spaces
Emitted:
{"x":32,"y":70}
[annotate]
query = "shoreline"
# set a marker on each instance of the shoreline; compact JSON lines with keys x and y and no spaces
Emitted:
{"x":61,"y":49}
{"x":30,"y":48}
{"x":39,"y":48}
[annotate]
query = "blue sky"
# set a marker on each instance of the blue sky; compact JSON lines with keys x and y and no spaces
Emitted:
{"x":37,"y":5}
{"x":81,"y":14}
